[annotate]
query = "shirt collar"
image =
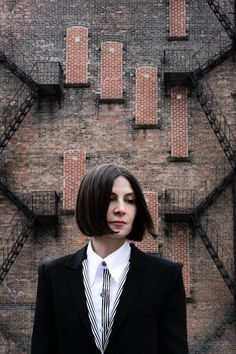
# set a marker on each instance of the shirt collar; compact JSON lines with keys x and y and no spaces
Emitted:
{"x":116,"y":261}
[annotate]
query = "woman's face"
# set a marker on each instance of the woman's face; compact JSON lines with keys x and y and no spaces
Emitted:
{"x":122,"y":208}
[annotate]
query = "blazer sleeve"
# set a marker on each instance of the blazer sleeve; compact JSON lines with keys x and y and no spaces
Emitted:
{"x":173,"y":328}
{"x":44,"y":328}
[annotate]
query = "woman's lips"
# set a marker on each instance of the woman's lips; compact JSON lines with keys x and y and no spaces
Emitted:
{"x":118,"y":222}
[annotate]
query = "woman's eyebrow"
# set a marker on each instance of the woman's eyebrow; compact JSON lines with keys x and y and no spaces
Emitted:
{"x":131,"y":194}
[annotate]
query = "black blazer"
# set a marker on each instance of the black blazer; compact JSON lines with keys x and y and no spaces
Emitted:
{"x":150,"y":317}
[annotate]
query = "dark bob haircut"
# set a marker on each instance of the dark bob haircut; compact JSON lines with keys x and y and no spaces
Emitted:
{"x":94,"y":197}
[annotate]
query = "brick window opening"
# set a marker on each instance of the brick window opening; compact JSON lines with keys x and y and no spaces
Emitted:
{"x":77,"y":55}
{"x":177,"y":21}
{"x":146,"y":96}
{"x":74,"y":170}
{"x":111,"y":70}
{"x":180,"y":251}
{"x":149,"y":244}
{"x":179,"y":122}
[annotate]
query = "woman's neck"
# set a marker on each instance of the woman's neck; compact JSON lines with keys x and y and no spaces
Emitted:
{"x":105,"y":245}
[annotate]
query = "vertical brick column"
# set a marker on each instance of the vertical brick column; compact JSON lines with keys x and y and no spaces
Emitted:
{"x":179,"y":122}
{"x":111,"y":70}
{"x":146,"y":95}
{"x":180,"y":250}
{"x":177,"y":21}
{"x":150,"y":244}
{"x":77,"y":55}
{"x":74,"y":170}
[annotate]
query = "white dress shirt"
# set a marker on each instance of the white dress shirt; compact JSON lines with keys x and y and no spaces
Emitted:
{"x":116,"y":263}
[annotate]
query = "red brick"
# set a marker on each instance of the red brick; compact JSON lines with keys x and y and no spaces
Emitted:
{"x":177,"y":18}
{"x":179,"y":122}
{"x":146,"y":95}
{"x":77,"y":55}
{"x":111,"y":70}
{"x":180,"y":250}
{"x":74,"y":169}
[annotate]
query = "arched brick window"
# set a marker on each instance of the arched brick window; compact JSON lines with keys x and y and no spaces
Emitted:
{"x":146,"y":95}
{"x":74,"y":170}
{"x":180,"y":250}
{"x":177,"y":20}
{"x":179,"y":122}
{"x":77,"y":55}
{"x":111,"y":70}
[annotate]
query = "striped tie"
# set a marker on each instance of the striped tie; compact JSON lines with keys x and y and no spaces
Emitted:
{"x":105,"y":305}
{"x":102,"y":341}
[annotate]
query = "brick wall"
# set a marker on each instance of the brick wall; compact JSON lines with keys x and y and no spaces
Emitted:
{"x":74,"y":169}
{"x":177,"y":22}
{"x":108,"y":134}
{"x":111,"y":70}
{"x":77,"y":55}
{"x":146,"y":95}
{"x":179,"y":122}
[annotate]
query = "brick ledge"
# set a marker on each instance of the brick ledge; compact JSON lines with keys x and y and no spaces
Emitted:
{"x":147,"y":126}
{"x":75,"y":85}
{"x":110,"y":100}
{"x":179,"y":159}
{"x":178,"y":38}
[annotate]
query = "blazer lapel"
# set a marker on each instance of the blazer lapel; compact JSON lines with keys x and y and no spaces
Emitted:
{"x":134,"y":282}
{"x":76,"y":285}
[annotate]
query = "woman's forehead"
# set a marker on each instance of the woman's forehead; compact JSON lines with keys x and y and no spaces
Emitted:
{"x":122,"y":184}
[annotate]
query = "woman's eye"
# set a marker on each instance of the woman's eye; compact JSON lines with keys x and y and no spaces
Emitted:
{"x":131,"y":201}
{"x":126,"y":200}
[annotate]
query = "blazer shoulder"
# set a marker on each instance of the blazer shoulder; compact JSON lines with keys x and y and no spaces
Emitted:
{"x":155,"y":265}
{"x":70,"y":260}
{"x":160,"y":271}
{"x":169,"y":273}
{"x":164,"y":263}
{"x":57,"y":262}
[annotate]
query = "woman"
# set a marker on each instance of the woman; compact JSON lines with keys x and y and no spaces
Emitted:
{"x":110,"y":297}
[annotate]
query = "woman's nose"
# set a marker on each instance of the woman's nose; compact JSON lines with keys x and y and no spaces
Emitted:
{"x":119,"y":207}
